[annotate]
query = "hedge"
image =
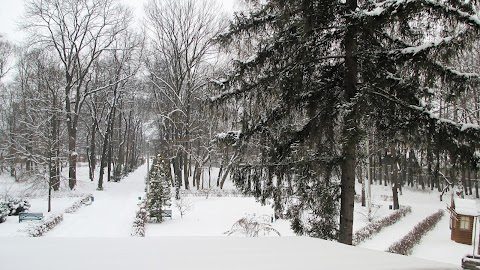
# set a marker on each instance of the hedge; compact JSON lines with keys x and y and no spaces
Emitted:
{"x":45,"y":226}
{"x":83,"y":201}
{"x":376,"y":226}
{"x":405,"y":245}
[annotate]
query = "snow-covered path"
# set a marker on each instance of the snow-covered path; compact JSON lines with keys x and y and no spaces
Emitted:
{"x":437,"y":246}
{"x":393,"y":233}
{"x":112,"y":212}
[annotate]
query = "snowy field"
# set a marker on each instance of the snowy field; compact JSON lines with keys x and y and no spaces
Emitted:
{"x":200,"y":253}
{"x":112,"y":212}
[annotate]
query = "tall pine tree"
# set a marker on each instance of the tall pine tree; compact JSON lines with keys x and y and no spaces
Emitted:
{"x":159,"y":192}
{"x":320,"y":68}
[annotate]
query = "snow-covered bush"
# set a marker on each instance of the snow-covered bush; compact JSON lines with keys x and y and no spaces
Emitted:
{"x":15,"y":206}
{"x":38,"y":230}
{"x":183,"y":205}
{"x":4,"y":211}
{"x":83,"y":201}
{"x":405,"y":245}
{"x":138,"y":228}
{"x":210,"y":192}
{"x":376,"y":226}
{"x":252,"y":226}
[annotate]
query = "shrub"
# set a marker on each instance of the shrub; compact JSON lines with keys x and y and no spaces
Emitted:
{"x":4,"y":211}
{"x":252,"y":226}
{"x":15,"y":206}
{"x":83,"y":201}
{"x":44,"y":226}
{"x":376,"y":226}
{"x":407,"y":243}
{"x":138,"y":228}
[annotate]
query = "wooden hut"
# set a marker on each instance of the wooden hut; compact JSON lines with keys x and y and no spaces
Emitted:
{"x":462,"y":217}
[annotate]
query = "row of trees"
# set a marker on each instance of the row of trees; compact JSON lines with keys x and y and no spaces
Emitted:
{"x":88,"y":87}
{"x":73,"y":93}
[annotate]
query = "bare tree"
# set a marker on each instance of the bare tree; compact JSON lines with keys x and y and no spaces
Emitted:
{"x":183,"y":205}
{"x":181,"y":35}
{"x":6,"y":51}
{"x":79,"y":32}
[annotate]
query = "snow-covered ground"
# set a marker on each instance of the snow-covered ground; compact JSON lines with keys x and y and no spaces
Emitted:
{"x":200,"y":253}
{"x":436,"y":245}
{"x":113,"y":210}
{"x":213,"y":217}
{"x":13,"y":228}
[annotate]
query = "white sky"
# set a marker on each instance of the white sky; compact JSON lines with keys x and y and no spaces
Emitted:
{"x":12,"y":10}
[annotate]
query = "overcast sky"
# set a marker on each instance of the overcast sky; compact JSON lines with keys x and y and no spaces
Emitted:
{"x":12,"y":10}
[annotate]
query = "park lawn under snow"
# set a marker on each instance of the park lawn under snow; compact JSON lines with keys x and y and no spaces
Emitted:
{"x":200,"y":253}
{"x":113,"y":210}
{"x":213,"y":217}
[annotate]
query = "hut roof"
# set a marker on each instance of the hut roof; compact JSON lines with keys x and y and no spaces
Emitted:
{"x":467,"y":207}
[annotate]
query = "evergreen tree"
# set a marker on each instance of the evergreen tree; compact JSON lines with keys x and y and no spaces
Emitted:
{"x":159,"y":193}
{"x":320,"y":71}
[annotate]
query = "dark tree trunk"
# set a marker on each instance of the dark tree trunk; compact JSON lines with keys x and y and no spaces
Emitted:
{"x":394,"y":179}
{"x":29,"y":150}
{"x":105,"y":150}
{"x":469,"y":182}
{"x":185,"y":170}
{"x":197,"y":174}
{"x":380,"y":169}
{"x":476,"y":184}
{"x":349,"y":132}
{"x":92,"y":161}
{"x":364,"y":201}
{"x":178,"y":176}
{"x":72,"y":157}
{"x":385,"y":171}
{"x":219,"y":174}
{"x":54,"y":153}
{"x":121,"y":151}
{"x":420,"y":177}
{"x":109,"y":160}
{"x":103,"y":160}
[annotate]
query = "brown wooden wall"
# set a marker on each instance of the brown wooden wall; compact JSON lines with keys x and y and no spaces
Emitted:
{"x":461,"y":236}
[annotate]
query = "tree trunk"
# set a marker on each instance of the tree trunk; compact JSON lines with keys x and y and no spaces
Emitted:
{"x":394,"y":179}
{"x":380,"y":168}
{"x":72,"y":157}
{"x":385,"y":171}
{"x":54,"y":152}
{"x":178,"y":176}
{"x":103,"y":160}
{"x":220,"y":171}
{"x":92,"y":161}
{"x":109,"y":160}
{"x":363,"y":193}
{"x":421,"y":178}
{"x":185,"y":170}
{"x":349,"y":132}
{"x":476,"y":184}
{"x":469,"y":178}
{"x":121,"y":151}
